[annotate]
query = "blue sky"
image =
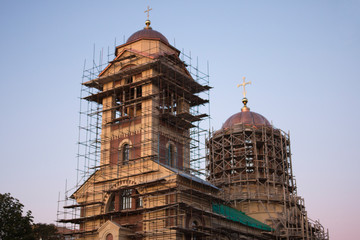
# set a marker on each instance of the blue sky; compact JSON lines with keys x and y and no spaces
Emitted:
{"x":301,"y":56}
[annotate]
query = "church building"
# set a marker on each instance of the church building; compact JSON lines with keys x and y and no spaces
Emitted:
{"x":144,"y":185}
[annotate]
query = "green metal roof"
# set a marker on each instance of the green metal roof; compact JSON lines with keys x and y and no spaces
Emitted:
{"x":238,"y":216}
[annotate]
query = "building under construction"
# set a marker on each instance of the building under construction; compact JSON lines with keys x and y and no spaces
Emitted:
{"x":146,"y":170}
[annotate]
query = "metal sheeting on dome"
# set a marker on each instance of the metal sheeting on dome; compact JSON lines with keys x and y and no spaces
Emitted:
{"x":147,"y":33}
{"x":246,"y":117}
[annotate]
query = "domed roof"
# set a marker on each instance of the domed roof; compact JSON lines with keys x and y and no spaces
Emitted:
{"x":246,"y":117}
{"x":147,"y":33}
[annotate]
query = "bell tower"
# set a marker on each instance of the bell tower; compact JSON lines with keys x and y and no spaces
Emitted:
{"x":146,"y":94}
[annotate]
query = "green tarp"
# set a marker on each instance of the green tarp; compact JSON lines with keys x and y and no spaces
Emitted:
{"x":238,"y":216}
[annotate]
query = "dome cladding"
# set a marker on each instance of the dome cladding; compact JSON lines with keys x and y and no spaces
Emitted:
{"x":246,"y":117}
{"x":147,"y":33}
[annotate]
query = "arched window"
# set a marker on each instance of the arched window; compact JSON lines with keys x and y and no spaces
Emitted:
{"x":111,"y":204}
{"x":194,"y":225}
{"x":125,"y":153}
{"x":126,"y":199}
{"x":171,"y":156}
{"x":109,"y":237}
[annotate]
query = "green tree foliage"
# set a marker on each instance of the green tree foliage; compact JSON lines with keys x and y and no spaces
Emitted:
{"x":46,"y":232}
{"x":13,"y":225}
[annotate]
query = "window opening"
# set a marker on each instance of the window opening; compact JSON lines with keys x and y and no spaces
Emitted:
{"x":125,"y":154}
{"x":126,"y":199}
{"x":132,"y":93}
{"x":111,"y":206}
{"x":139,"y":200}
{"x":171,"y":155}
{"x":139,"y":203}
{"x":116,"y":112}
{"x":109,"y":237}
{"x":128,"y":80}
{"x":139,"y":91}
{"x":194,"y":226}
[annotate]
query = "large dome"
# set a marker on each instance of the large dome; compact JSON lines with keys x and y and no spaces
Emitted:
{"x":147,"y":33}
{"x":246,"y":117}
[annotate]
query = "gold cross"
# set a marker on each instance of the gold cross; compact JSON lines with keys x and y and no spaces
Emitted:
{"x":148,"y":10}
{"x":244,"y":84}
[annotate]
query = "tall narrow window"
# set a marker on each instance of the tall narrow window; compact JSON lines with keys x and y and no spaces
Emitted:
{"x":139,"y":200}
{"x":171,"y":155}
{"x":126,"y":199}
{"x":125,"y":153}
{"x":111,"y":204}
{"x":128,"y":80}
{"x":139,"y":91}
{"x":195,"y":226}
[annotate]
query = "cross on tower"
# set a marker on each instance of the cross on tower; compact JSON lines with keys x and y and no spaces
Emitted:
{"x":244,"y":84}
{"x":148,"y":11}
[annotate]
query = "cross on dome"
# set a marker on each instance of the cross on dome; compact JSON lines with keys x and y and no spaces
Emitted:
{"x":147,"y":22}
{"x":148,"y":11}
{"x":244,"y":84}
{"x":244,"y":100}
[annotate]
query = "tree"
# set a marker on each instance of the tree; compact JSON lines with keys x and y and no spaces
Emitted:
{"x":13,"y":225}
{"x":46,"y":232}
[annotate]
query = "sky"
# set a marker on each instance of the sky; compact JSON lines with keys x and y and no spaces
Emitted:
{"x":302,"y":58}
